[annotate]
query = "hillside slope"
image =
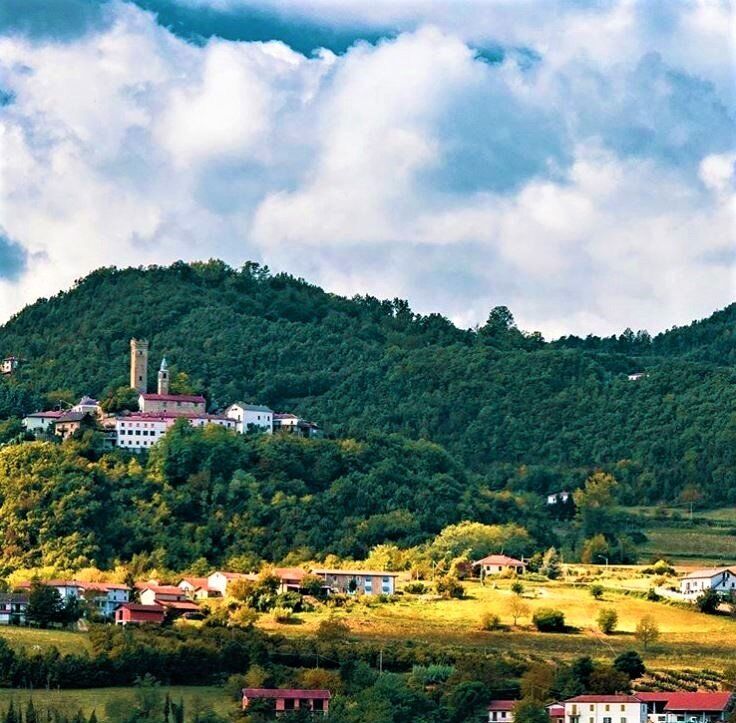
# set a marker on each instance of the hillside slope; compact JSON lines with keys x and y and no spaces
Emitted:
{"x":525,"y":413}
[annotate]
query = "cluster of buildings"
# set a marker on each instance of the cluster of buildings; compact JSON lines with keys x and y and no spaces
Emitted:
{"x":665,"y":707}
{"x":141,"y":429}
{"x":153,"y":602}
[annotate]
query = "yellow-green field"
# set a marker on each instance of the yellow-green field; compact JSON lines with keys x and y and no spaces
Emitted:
{"x":32,"y":638}
{"x":98,"y":699}
{"x":700,"y":546}
{"x":688,"y":638}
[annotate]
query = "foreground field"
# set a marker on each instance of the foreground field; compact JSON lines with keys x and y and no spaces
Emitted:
{"x":32,"y":638}
{"x":688,"y":638}
{"x":195,"y":698}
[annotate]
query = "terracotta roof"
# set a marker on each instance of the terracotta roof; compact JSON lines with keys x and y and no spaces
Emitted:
{"x":604,"y":699}
{"x":138,"y":608}
{"x":103,"y":586}
{"x":52,"y":414}
{"x":556,"y":710}
{"x":195,"y":582}
{"x":502,"y":704}
{"x":236,"y":575}
{"x":699,"y":700}
{"x":290,"y":573}
{"x":498,"y":560}
{"x":357,"y":573}
{"x":194,"y":398}
{"x":286,"y":693}
{"x":179,"y":605}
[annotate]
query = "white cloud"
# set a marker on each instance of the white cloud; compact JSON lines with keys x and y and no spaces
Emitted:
{"x":591,"y":192}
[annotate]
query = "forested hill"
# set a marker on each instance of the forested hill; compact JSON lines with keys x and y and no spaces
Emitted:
{"x":523,"y":412}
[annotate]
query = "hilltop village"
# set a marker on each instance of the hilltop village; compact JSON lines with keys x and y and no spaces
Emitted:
{"x":140,"y":429}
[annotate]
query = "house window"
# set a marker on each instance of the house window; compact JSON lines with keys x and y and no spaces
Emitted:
{"x":606,"y":720}
{"x":495,"y":715}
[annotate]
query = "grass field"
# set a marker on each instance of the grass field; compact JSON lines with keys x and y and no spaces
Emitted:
{"x":699,"y":546}
{"x":117,"y":699}
{"x":32,"y":638}
{"x":688,"y":638}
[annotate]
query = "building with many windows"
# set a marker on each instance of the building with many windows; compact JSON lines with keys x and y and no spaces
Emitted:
{"x":359,"y":582}
{"x":249,"y":417}
{"x":605,"y":709}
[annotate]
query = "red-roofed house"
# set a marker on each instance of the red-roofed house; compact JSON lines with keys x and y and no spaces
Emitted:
{"x":605,"y":709}
{"x":498,"y":565}
{"x":135,"y":614}
{"x":220,"y":580}
{"x":197,"y":588}
{"x":501,"y":710}
{"x":41,"y":421}
{"x":281,"y":700}
{"x":702,"y":706}
{"x":157,"y":594}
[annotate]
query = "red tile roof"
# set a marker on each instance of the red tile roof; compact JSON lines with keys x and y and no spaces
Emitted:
{"x":498,"y":560}
{"x":193,"y":398}
{"x":502,"y":704}
{"x":164,"y":589}
{"x":699,"y":700}
{"x":186,"y":605}
{"x":556,"y":710}
{"x":604,"y":699}
{"x":138,"y":608}
{"x":286,"y":693}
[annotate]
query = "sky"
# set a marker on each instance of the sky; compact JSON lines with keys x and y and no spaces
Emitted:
{"x":574,"y":161}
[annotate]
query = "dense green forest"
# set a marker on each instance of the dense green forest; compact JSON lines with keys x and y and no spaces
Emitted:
{"x":520,"y":412}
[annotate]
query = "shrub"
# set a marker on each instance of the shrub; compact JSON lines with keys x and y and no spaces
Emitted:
{"x":547,"y":620}
{"x":630,"y":663}
{"x":449,"y":586}
{"x":415,"y":588}
{"x":653,"y":595}
{"x":333,"y":629}
{"x":517,"y":587}
{"x":708,"y":601}
{"x":607,"y":620}
{"x":490,"y":621}
{"x":596,"y":591}
{"x":283,"y":615}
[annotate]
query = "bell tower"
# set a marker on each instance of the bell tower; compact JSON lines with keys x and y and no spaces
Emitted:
{"x":139,"y":365}
{"x":163,"y":378}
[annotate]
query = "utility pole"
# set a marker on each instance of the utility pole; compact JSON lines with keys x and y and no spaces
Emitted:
{"x":380,"y":662}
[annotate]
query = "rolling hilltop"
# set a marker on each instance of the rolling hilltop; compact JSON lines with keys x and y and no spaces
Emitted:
{"x":525,"y":414}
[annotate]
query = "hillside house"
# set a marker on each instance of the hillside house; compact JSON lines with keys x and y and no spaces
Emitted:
{"x":558,"y":498}
{"x":150,"y":594}
{"x":283,"y":700}
{"x":702,"y":706}
{"x":13,"y":608}
{"x":359,"y":582}
{"x":250,"y":417}
{"x":720,"y":579}
{"x":70,"y":422}
{"x":197,"y":588}
{"x":501,"y":711}
{"x":172,"y":403}
{"x":291,"y":424}
{"x":9,"y":365}
{"x":137,"y":614}
{"x":499,"y":565}
{"x":636,"y":376}
{"x":87,"y":405}
{"x":605,"y":709}
{"x":221,"y":580}
{"x":41,"y":422}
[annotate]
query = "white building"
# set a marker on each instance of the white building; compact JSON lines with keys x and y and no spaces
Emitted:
{"x":105,"y":596}
{"x":142,"y":431}
{"x":9,"y":365}
{"x":605,"y":709}
{"x":291,"y":424}
{"x":700,"y":706}
{"x":558,"y":498}
{"x":220,"y":580}
{"x":720,"y":579}
{"x":636,"y":376}
{"x":87,"y":405}
{"x":250,"y":416}
{"x":39,"y":422}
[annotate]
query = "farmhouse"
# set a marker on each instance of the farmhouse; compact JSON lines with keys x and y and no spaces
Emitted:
{"x":288,"y":699}
{"x":720,"y":579}
{"x":498,"y":565}
{"x":605,"y":709}
{"x":13,"y":608}
{"x":197,"y":588}
{"x":501,"y":711}
{"x":365,"y":582}
{"x":702,"y":706}
{"x":291,"y":424}
{"x":40,"y":422}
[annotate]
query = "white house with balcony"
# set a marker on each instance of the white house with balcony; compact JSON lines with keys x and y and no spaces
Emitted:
{"x":605,"y":709}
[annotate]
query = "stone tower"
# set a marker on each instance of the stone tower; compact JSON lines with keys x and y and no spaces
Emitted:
{"x":163,"y":378}
{"x":139,"y":365}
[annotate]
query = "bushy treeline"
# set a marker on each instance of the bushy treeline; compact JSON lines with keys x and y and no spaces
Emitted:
{"x":495,"y":397}
{"x":208,"y":497}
